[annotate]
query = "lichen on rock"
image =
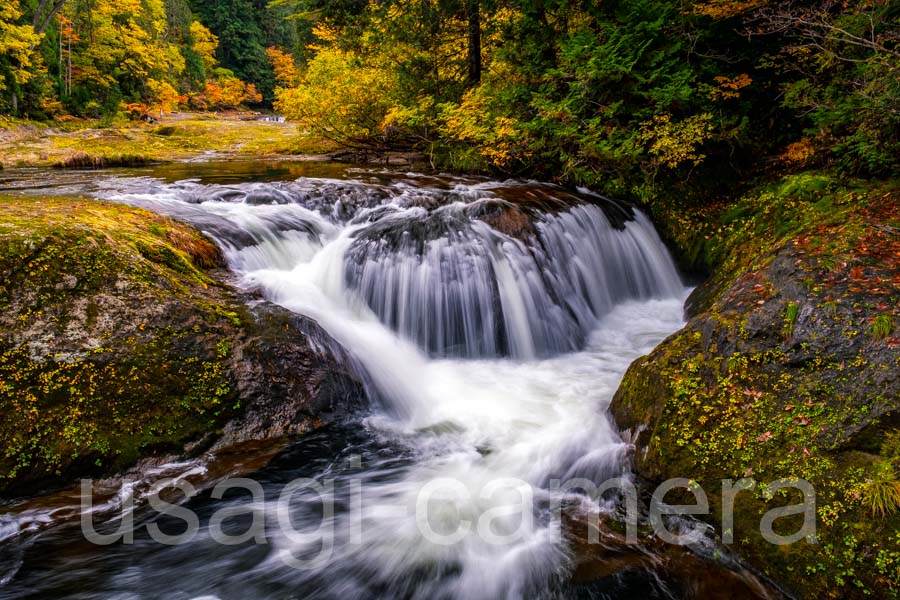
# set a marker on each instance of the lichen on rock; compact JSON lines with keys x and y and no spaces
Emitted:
{"x":117,"y":341}
{"x":783,"y":372}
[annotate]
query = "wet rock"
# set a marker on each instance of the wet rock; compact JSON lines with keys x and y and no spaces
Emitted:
{"x":119,"y":342}
{"x":290,"y":376}
{"x":783,"y":371}
{"x":507,"y":218}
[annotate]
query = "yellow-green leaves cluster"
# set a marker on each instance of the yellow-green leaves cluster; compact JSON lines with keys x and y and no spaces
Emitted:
{"x":499,"y":139}
{"x":17,"y":42}
{"x":674,"y":143}
{"x":128,"y":36}
{"x":204,"y":43}
{"x":340,"y":97}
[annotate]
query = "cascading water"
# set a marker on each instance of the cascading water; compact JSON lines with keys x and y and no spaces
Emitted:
{"x":494,"y":322}
{"x":429,"y":265}
{"x":475,"y":292}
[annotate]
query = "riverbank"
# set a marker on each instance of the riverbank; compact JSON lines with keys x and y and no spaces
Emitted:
{"x":119,"y":341}
{"x":176,"y":137}
{"x":787,"y":369}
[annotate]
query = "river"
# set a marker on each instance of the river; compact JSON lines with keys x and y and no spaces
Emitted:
{"x":492,"y":322}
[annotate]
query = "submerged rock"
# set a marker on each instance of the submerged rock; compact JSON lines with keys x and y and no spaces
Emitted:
{"x":117,"y":341}
{"x":788,"y":369}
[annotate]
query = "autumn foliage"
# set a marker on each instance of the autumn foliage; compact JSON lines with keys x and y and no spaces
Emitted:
{"x":226,"y":92}
{"x":284,"y":66}
{"x":626,"y":96}
{"x":106,"y":56}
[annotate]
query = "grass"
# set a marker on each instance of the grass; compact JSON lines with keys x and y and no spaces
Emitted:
{"x":881,"y":494}
{"x":83,"y":160}
{"x":882,"y":326}
{"x":92,"y":144}
{"x":790,"y":319}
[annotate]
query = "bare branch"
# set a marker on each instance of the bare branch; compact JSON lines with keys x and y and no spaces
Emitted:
{"x":41,"y":24}
{"x":813,"y":24}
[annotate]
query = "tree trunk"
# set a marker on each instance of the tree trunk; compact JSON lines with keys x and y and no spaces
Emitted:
{"x":473,"y":9}
{"x":15,"y":104}
{"x":41,"y":21}
{"x":69,"y":67}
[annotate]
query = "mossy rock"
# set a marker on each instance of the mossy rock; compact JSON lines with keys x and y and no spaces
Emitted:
{"x":780,"y":373}
{"x":117,"y":341}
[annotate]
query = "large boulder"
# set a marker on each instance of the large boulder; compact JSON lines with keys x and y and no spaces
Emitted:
{"x":788,"y":369}
{"x":118,"y":341}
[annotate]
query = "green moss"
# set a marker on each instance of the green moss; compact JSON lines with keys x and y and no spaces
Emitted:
{"x":111,"y":410}
{"x":736,"y":418}
{"x":44,"y":240}
{"x":746,"y":390}
{"x":67,"y":405}
{"x":724,"y":238}
{"x":890,"y":448}
{"x":165,"y":130}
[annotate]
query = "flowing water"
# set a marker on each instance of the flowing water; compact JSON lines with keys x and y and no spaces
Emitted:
{"x":492,"y":323}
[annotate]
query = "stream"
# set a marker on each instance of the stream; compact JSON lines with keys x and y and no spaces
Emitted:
{"x":492,"y":323}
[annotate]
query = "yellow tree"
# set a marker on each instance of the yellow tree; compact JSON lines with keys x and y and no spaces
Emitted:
{"x":17,"y":43}
{"x":284,"y":66}
{"x":124,"y":46}
{"x":204,"y":42}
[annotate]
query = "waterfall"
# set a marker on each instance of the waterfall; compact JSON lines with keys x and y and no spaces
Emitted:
{"x":495,"y":321}
{"x":426,"y":263}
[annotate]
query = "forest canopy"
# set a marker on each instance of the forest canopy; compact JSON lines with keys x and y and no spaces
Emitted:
{"x":94,"y":58}
{"x":616,"y":94}
{"x":622,"y":95}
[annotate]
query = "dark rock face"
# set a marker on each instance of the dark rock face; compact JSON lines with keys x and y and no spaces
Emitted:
{"x":290,"y":376}
{"x":117,"y":342}
{"x":510,"y":219}
{"x":788,"y":368}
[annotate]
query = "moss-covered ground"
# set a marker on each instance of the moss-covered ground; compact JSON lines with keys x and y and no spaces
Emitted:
{"x":113,"y":338}
{"x":130,"y":143}
{"x":788,"y":369}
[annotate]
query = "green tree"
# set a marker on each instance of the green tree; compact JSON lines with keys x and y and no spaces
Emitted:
{"x":17,"y":56}
{"x":242,"y":44}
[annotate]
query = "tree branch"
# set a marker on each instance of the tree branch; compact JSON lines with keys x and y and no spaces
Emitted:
{"x":40,"y":25}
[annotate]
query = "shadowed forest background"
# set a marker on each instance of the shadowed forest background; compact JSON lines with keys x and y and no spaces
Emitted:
{"x":629,"y":97}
